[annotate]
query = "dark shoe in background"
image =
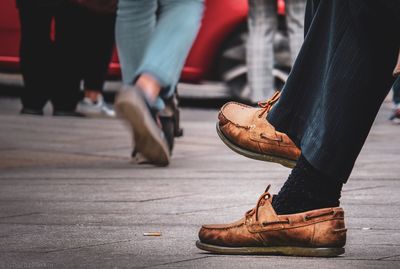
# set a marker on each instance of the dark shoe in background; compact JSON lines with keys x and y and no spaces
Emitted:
{"x":30,"y":111}
{"x":170,"y":121}
{"x":67,"y":113}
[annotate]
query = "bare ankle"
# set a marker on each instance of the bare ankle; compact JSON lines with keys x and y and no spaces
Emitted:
{"x":150,"y":86}
{"x":93,"y":95}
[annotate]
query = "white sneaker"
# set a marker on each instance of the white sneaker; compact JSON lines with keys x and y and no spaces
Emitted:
{"x":395,"y":117}
{"x":95,"y":109}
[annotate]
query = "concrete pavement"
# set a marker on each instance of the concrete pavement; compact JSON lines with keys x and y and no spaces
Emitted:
{"x":70,"y":198}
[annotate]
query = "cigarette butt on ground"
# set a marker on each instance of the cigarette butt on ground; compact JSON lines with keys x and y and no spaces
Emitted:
{"x":152,"y":234}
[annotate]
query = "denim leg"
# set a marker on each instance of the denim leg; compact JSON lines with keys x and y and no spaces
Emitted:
{"x":157,"y":45}
{"x":295,"y":10}
{"x":396,"y":92}
{"x":135,"y":23}
{"x":339,"y":81}
{"x":262,"y":23}
{"x":170,"y":42}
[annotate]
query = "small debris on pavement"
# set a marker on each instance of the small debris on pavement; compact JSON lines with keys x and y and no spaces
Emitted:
{"x":366,"y":228}
{"x":152,"y":234}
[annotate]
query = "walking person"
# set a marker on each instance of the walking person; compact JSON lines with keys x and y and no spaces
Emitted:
{"x":395,"y":117}
{"x":96,"y":35}
{"x":316,"y":126}
{"x":48,"y":65}
{"x":153,"y":40}
{"x":263,"y":25}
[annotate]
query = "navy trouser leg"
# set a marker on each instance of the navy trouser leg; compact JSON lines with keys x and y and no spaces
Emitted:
{"x":339,"y":80}
{"x":396,"y":91}
{"x":36,"y":53}
{"x":97,"y":47}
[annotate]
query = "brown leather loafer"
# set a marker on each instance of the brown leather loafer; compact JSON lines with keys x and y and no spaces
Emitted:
{"x":245,"y":130}
{"x":315,"y":233}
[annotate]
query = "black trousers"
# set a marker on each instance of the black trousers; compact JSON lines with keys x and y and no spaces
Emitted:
{"x":396,"y":91}
{"x":47,"y":66}
{"x":339,"y":80}
{"x":97,"y":36}
{"x":81,"y":49}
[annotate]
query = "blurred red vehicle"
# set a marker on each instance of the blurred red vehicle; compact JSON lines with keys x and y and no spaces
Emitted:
{"x":218,"y":53}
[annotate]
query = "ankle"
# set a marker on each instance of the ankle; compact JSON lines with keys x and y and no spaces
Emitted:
{"x":93,"y":95}
{"x":307,"y":189}
{"x":150,"y":87}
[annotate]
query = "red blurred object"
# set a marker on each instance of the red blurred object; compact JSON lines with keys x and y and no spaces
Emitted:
{"x":221,"y":20}
{"x":281,"y":7}
{"x":9,"y":36}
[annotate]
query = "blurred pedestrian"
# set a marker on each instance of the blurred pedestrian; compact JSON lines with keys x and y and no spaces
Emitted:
{"x":47,"y":62}
{"x":395,"y":117}
{"x":96,"y":37}
{"x":318,"y":126}
{"x":153,"y":40}
{"x":263,"y":25}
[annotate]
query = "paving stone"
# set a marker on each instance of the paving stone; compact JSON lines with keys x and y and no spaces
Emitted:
{"x":70,"y":197}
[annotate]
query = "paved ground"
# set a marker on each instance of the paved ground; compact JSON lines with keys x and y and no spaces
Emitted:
{"x":70,"y":198}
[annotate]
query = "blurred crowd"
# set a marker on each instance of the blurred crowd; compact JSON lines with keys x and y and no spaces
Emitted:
{"x":66,"y":47}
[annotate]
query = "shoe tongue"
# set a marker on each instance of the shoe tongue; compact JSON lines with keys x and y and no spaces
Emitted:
{"x":266,"y":212}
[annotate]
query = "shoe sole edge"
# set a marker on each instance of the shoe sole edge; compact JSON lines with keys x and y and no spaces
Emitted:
{"x":253,"y":155}
{"x":274,"y":251}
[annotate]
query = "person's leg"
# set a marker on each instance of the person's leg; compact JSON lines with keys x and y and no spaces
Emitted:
{"x":395,"y":117}
{"x":396,"y":71}
{"x":176,"y":28}
{"x":345,"y":63}
{"x":36,"y":54}
{"x":295,"y":10}
{"x":97,"y":46}
{"x":396,"y":92}
{"x":65,"y":94}
{"x":134,"y":26}
{"x":156,"y":72}
{"x":262,"y":24}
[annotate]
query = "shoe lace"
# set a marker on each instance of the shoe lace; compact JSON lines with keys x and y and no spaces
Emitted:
{"x":267,"y":105}
{"x":265,"y":196}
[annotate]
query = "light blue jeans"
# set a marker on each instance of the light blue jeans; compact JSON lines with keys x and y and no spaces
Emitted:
{"x":155,"y":37}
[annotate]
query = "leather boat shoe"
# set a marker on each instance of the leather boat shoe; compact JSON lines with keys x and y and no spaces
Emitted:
{"x":245,"y":130}
{"x":315,"y":233}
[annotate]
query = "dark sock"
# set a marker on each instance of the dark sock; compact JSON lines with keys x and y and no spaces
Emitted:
{"x":306,"y":189}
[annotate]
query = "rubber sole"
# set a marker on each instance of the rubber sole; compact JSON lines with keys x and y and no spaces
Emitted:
{"x":285,"y":251}
{"x":147,"y":135}
{"x":254,"y":155}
